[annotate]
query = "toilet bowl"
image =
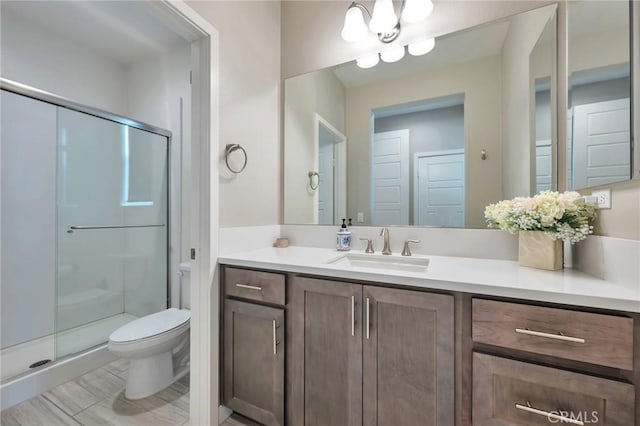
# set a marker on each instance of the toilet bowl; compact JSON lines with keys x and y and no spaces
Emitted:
{"x":157,"y":346}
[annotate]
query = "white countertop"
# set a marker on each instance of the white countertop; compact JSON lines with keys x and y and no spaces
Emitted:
{"x":479,"y":276}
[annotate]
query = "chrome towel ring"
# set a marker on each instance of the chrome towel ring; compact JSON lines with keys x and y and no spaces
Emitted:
{"x":228,"y":150}
{"x":317,"y":176}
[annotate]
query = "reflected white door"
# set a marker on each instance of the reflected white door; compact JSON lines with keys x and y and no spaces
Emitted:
{"x":601,"y":143}
{"x":390,"y":178}
{"x":325,"y":179}
{"x":543,"y":166}
{"x":439,"y":189}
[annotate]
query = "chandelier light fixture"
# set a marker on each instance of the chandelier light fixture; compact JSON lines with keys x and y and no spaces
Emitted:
{"x":385,"y":23}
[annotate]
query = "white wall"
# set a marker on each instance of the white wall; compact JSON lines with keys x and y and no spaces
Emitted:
{"x":39,"y":58}
{"x":479,"y":81}
{"x":305,"y":96}
{"x":160,"y":94}
{"x":249,"y":107}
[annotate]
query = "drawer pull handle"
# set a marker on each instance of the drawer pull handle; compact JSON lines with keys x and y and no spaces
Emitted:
{"x":275,"y":341}
{"x":549,"y":415}
{"x":249,"y":287}
{"x":549,"y":335}
{"x":368,"y":326}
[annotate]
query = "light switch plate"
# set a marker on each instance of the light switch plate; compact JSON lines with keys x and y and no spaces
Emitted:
{"x":603,"y":198}
{"x":360,"y":217}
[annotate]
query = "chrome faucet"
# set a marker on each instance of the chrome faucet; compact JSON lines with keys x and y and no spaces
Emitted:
{"x":384,"y":233}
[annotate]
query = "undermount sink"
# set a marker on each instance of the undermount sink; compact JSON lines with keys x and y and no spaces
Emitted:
{"x":381,"y":263}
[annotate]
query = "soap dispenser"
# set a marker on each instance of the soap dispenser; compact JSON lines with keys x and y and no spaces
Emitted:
{"x":344,"y":237}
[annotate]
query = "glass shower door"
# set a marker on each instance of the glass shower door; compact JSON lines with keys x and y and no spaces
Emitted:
{"x":112,"y":228}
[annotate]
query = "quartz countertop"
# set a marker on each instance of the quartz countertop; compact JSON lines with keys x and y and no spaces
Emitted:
{"x":471,"y":275}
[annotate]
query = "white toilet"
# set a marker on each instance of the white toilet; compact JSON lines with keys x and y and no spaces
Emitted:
{"x":156,"y":345}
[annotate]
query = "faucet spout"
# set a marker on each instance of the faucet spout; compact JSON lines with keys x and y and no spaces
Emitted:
{"x":384,"y":233}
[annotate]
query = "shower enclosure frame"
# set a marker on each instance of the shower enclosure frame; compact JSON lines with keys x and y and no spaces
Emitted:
{"x":59,"y":101}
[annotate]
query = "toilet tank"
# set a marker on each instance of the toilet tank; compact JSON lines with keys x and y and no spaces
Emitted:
{"x":185,"y":285}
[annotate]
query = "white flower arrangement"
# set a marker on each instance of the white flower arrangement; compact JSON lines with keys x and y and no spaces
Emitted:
{"x":562,"y":216}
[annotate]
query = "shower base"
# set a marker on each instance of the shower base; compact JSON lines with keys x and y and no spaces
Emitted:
{"x":22,"y":383}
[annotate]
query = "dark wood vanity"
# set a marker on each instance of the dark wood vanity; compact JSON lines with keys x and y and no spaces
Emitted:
{"x":309,"y":350}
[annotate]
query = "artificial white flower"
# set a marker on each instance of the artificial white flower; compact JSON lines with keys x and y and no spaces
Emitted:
{"x":561,"y":215}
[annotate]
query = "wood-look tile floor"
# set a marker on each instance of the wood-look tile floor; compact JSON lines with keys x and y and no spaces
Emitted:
{"x":97,"y":399}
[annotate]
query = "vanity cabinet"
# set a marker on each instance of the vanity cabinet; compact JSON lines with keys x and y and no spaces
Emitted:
{"x":521,"y":392}
{"x":370,"y":355}
{"x":253,"y":349}
{"x":307,"y":350}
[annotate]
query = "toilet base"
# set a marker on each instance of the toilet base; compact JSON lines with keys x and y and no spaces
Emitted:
{"x":149,"y":375}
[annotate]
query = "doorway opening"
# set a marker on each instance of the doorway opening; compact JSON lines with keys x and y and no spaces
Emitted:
{"x":330,"y":199}
{"x":418,"y":163}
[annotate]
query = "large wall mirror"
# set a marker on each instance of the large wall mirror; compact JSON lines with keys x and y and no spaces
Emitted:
{"x":599,"y":132}
{"x":428,"y":140}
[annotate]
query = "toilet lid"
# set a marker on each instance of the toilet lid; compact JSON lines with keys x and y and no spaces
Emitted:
{"x":151,"y":325}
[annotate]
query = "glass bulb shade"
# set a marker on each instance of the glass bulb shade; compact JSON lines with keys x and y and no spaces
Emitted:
{"x":421,"y":47}
{"x":368,"y":61}
{"x":393,"y":54}
{"x":354,"y":29}
{"x":416,"y":10}
{"x":384,"y":18}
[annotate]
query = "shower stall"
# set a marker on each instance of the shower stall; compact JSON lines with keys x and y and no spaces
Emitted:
{"x":84,"y":227}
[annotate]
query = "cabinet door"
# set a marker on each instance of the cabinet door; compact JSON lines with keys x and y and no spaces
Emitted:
{"x":326,"y":353}
{"x":254,"y":361}
{"x":408,"y":358}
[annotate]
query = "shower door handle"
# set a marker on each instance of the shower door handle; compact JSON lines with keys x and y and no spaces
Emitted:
{"x":82,"y":227}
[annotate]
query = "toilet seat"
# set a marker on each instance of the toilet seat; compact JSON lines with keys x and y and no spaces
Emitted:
{"x":169,"y":321}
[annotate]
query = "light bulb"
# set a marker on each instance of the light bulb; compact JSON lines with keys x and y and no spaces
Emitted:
{"x":354,"y":29}
{"x":416,"y":10}
{"x":392,"y":54}
{"x":368,"y":61}
{"x":422,"y":47}
{"x":384,"y":18}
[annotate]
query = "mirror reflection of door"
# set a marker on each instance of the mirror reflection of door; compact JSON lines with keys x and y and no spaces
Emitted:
{"x":325,"y":178}
{"x":390,"y":178}
{"x":439,"y":188}
{"x":418,"y":163}
{"x":544,"y":165}
{"x":331,"y":166}
{"x":601,"y":143}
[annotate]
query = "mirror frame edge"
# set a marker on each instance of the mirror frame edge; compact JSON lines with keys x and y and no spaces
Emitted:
{"x":634,"y":16}
{"x":562,"y":96}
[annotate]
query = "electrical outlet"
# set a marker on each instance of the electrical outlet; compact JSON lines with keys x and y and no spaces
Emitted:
{"x":360,"y":217}
{"x":603,"y":198}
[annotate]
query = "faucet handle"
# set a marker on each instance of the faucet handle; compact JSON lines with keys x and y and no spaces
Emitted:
{"x":405,"y":250}
{"x":369,"y":248}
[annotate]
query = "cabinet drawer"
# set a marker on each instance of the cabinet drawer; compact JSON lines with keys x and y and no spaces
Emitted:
{"x":581,"y":336}
{"x":507,"y":392}
{"x":254,"y":285}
